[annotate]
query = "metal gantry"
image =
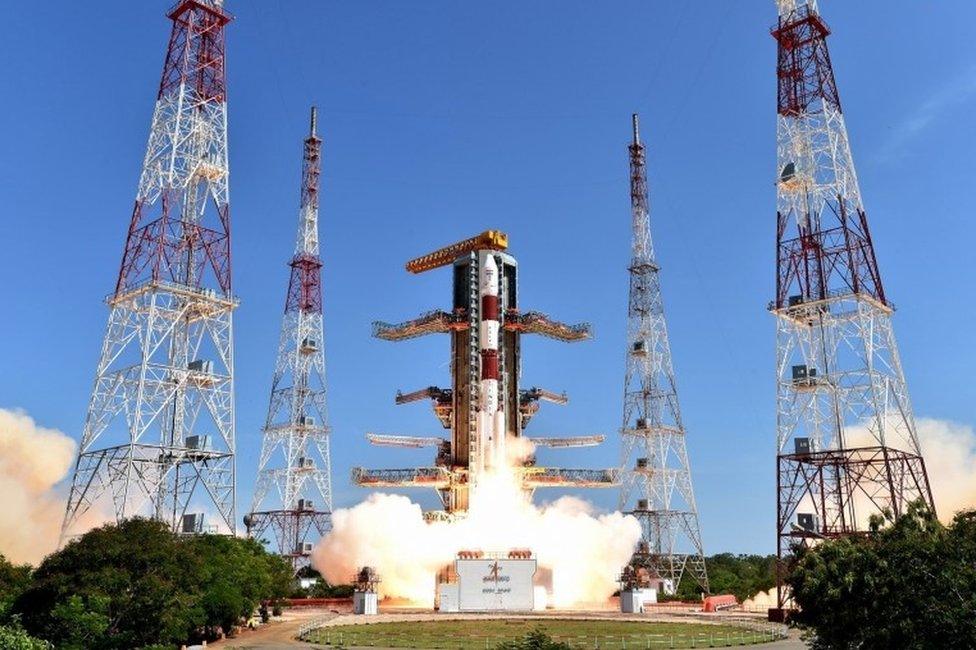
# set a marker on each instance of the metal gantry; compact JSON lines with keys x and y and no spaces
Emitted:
{"x":458,"y":408}
{"x":847,"y":446}
{"x":158,"y":439}
{"x":655,"y":474}
{"x":293,"y":494}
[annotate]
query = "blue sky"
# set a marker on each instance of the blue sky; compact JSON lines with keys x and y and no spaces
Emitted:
{"x":441,"y":119}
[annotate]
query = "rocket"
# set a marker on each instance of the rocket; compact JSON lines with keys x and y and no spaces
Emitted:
{"x":491,"y":418}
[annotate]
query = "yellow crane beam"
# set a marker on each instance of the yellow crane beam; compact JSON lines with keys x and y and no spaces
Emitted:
{"x":490,"y":239}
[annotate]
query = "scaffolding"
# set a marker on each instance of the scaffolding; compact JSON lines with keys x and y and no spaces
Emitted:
{"x":428,"y":477}
{"x":536,"y":477}
{"x":570,"y":441}
{"x":534,"y":322}
{"x":432,"y":322}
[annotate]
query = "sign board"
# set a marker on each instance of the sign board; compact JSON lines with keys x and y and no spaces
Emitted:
{"x":495,"y":585}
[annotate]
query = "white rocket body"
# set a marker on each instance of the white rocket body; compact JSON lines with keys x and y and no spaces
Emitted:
{"x":491,"y":417}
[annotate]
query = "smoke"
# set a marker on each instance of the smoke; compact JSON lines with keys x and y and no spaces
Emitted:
{"x":949,"y":449}
{"x":32,"y":460}
{"x":583,"y":550}
{"x":761,"y":601}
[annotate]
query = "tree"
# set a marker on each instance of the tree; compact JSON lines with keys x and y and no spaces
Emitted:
{"x":136,"y":584}
{"x":120,"y":586}
{"x":81,"y":622}
{"x":14,"y":580}
{"x":13,"y":637}
{"x":237,"y":575}
{"x":742,"y":575}
{"x":909,"y":584}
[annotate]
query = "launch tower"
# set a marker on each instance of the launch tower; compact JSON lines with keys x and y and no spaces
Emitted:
{"x":655,"y":474}
{"x":485,"y":408}
{"x":158,"y":439}
{"x":293,"y":495}
{"x":846,"y":438}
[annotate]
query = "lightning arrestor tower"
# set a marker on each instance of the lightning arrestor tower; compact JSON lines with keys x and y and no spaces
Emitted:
{"x":655,"y":474}
{"x":158,"y":439}
{"x":293,"y":495}
{"x":846,"y":439}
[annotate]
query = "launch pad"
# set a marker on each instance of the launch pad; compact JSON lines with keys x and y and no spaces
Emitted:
{"x":491,"y":582}
{"x":485,"y":409}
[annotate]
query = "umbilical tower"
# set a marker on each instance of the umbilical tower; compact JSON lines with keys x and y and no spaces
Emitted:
{"x":655,"y":474}
{"x":158,"y":439}
{"x":293,"y":495}
{"x":847,"y":446}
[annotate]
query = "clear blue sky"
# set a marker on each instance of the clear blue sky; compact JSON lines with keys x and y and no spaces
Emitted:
{"x":441,"y":119}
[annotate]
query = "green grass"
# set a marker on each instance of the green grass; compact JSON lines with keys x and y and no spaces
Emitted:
{"x":583,"y":634}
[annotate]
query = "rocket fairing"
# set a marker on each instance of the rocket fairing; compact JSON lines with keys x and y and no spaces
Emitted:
{"x":491,"y":418}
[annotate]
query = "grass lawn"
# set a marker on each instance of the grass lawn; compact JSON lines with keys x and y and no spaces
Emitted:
{"x":582,"y":634}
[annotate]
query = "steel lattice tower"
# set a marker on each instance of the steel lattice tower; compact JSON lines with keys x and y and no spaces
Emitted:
{"x":846,"y":439}
{"x":293,"y":494}
{"x":655,"y":474}
{"x":159,"y":434}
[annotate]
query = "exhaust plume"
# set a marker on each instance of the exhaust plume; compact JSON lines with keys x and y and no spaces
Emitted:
{"x":761,"y":601}
{"x":32,"y":460}
{"x":584,"y":550}
{"x":949,"y":449}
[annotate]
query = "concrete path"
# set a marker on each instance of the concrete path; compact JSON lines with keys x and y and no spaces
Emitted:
{"x":277,"y":634}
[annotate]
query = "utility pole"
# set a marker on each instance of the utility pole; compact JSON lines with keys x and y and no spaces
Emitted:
{"x":293,"y":495}
{"x":158,"y":439}
{"x":655,"y":474}
{"x":847,"y":447}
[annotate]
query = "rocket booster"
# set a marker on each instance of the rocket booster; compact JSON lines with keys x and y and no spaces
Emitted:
{"x":491,"y":418}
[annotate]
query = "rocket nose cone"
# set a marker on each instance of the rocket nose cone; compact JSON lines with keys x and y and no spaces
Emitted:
{"x":490,"y":263}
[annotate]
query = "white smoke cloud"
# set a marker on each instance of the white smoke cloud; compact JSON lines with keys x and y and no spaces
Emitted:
{"x":949,"y":449}
{"x":761,"y":601}
{"x":584,"y":550}
{"x":32,"y":460}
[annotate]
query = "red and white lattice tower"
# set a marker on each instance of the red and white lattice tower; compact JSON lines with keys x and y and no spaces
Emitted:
{"x":655,"y":480}
{"x":847,"y":446}
{"x":159,"y":435}
{"x":293,"y":495}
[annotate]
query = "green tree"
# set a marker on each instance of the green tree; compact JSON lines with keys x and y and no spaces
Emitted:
{"x":81,"y":622}
{"x":323,"y":589}
{"x":742,"y":575}
{"x":136,"y":584}
{"x":237,"y":575}
{"x":13,"y":637}
{"x":120,"y":586}
{"x":14,"y":579}
{"x":907,"y":584}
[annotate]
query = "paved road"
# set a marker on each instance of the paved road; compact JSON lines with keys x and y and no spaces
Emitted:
{"x":279,"y":634}
{"x":793,"y":643}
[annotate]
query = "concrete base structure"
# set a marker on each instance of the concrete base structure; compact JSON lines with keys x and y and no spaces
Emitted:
{"x":447,"y":597}
{"x":632,"y":601}
{"x":480,"y":583}
{"x":365,"y":602}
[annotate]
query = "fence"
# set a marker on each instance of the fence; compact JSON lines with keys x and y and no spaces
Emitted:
{"x":315,"y":633}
